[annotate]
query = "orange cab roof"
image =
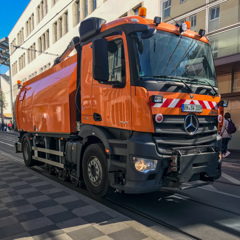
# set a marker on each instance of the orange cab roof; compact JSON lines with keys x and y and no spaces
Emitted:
{"x":162,"y":26}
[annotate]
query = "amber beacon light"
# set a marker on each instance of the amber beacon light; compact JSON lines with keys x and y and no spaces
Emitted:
{"x":142,"y":12}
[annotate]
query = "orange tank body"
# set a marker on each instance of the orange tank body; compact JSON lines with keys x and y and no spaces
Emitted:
{"x":46,"y":103}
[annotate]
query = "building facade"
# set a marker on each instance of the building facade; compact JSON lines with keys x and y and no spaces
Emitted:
{"x":5,"y":88}
{"x":221,"y":21}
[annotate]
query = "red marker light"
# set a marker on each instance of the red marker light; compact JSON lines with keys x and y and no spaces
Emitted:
{"x":159,"y":118}
{"x":220,"y":118}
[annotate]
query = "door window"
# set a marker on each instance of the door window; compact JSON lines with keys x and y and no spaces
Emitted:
{"x":116,"y":61}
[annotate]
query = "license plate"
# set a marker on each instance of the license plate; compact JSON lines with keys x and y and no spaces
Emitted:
{"x":191,"y":108}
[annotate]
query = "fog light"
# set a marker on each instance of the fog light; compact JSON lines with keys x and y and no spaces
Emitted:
{"x":144,"y":165}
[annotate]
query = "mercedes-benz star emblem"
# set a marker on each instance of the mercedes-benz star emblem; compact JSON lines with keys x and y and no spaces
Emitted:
{"x":191,"y":124}
{"x":191,"y":96}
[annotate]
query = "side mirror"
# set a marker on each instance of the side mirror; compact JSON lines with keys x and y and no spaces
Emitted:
{"x":148,"y":33}
{"x":223,"y":103}
{"x":100,"y":60}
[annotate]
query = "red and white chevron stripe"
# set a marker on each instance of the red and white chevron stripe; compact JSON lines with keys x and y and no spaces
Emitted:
{"x":177,"y":103}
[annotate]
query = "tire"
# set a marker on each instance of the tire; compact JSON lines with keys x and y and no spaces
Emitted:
{"x":27,"y":151}
{"x":95,"y":171}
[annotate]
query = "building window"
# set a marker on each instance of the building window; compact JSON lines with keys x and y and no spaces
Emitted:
{"x":76,"y":13}
{"x":42,"y":10}
{"x":29,"y":25}
{"x":60,"y":27}
{"x":193,"y":20}
{"x":43,"y":42}
{"x":136,"y":9}
{"x":182,"y":1}
{"x":214,"y":18}
{"x":166,"y":8}
{"x":14,"y":68}
{"x":12,"y":46}
{"x":86,"y":8}
{"x":20,"y":37}
{"x":21,"y":62}
{"x":31,"y":53}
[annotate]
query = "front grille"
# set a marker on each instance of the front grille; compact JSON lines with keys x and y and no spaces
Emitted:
{"x":171,"y":133}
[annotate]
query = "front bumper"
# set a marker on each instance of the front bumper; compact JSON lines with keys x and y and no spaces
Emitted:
{"x":194,"y":163}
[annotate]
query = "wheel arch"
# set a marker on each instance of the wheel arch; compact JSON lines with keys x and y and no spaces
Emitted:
{"x":91,"y":135}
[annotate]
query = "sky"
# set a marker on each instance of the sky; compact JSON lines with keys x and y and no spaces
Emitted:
{"x":10,"y":12}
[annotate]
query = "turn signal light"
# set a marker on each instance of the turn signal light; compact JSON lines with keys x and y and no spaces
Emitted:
{"x":142,"y":12}
{"x":220,"y":118}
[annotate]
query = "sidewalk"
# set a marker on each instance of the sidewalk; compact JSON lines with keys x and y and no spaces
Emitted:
{"x":35,"y":207}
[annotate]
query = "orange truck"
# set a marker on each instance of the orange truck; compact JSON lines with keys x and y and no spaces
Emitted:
{"x":135,"y":110}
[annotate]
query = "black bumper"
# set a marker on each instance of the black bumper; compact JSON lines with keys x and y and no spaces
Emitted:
{"x":200,"y":163}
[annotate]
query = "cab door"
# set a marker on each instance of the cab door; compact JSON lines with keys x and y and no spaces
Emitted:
{"x":111,"y":100}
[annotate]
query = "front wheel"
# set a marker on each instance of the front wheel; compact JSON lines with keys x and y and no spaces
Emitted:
{"x":27,"y":151}
{"x":95,"y":171}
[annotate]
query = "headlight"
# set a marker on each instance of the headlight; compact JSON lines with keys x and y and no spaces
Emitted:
{"x":144,"y":165}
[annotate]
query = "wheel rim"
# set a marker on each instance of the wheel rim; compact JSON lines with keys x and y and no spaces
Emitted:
{"x":95,"y":171}
{"x":25,"y":151}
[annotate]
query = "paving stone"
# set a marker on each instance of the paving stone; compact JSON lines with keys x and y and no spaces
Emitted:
{"x":16,"y":203}
{"x":31,"y":195}
{"x":23,"y":217}
{"x":36,"y":223}
{"x":61,"y":217}
{"x":97,"y":217}
{"x":86,"y":233}
{"x":73,"y":224}
{"x":44,"y":204}
{"x":103,"y":238}
{"x":52,"y":210}
{"x":58,"y":194}
{"x":65,"y":199}
{"x":111,"y":226}
{"x":75,"y":204}
{"x":60,"y":237}
{"x":27,"y":190}
{"x":11,"y":230}
{"x":46,"y":232}
{"x":20,"y":187}
{"x":5,"y":213}
{"x":45,"y":187}
{"x":38,"y":199}
{"x":11,"y":198}
{"x":22,"y":209}
{"x":5,"y":221}
{"x":86,"y":210}
{"x":127,"y":234}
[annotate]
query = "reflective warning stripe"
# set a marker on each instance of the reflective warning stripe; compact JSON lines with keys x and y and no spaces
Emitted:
{"x":177,"y":103}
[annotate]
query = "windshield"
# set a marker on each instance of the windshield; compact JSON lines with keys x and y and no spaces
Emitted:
{"x":166,"y":56}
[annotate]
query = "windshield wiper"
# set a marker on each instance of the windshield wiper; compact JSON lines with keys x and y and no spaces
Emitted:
{"x":171,"y":77}
{"x":208,"y":83}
